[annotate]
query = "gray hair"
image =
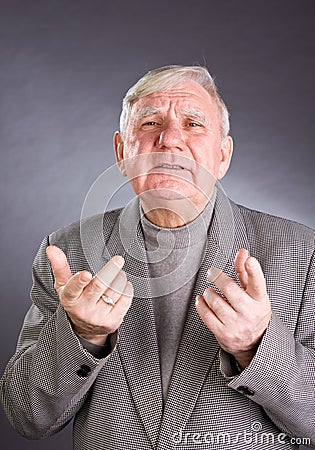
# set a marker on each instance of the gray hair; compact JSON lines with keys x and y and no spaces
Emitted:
{"x":165,"y":77}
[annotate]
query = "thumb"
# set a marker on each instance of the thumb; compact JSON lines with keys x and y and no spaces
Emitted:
{"x":239,"y":264}
{"x":256,"y":283}
{"x":59,"y":265}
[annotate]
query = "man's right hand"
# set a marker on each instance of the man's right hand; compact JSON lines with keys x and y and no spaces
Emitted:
{"x":81,"y":296}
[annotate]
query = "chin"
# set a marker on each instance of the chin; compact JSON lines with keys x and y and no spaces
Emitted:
{"x":171,"y":189}
{"x":172,"y":200}
{"x":162,"y":192}
{"x":165,"y":194}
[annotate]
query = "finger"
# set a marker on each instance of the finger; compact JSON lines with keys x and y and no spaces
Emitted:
{"x":75,"y":286}
{"x":256,"y":284}
{"x":59,"y":265}
{"x":102,"y":280}
{"x":221,"y":308}
{"x":230,"y":289}
{"x":126,"y":297}
{"x":108,"y":273}
{"x":94,"y":290}
{"x":239,"y":264}
{"x":117,"y":286}
{"x":118,"y":312}
{"x":207,"y":315}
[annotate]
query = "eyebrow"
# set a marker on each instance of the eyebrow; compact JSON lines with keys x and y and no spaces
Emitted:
{"x":191,"y":113}
{"x":195,"y":114}
{"x":147,"y":111}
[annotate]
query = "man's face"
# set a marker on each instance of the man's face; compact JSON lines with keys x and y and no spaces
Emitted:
{"x":173,"y":146}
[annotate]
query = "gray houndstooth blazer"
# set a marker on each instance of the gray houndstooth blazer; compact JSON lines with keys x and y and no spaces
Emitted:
{"x":116,"y":401}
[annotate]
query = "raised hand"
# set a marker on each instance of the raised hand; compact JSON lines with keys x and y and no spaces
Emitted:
{"x":81,"y":296}
{"x":239,"y":322}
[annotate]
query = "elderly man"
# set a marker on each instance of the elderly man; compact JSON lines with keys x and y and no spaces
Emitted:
{"x":188,"y":322}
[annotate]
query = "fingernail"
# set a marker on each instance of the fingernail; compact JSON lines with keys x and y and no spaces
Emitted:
{"x":240,"y":250}
{"x":86,"y":276}
{"x":213,"y":273}
{"x":197,"y":300}
{"x":119,"y":260}
{"x":251,"y":261}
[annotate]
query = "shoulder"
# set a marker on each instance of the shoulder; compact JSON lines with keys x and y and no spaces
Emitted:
{"x":270,"y":228}
{"x":97,"y":226}
{"x":79,"y":240}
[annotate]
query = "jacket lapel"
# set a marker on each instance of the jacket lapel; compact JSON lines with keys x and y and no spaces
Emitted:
{"x":199,"y":347}
{"x":137,"y":345}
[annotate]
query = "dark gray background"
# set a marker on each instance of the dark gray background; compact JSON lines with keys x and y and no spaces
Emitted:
{"x":64,"y":68}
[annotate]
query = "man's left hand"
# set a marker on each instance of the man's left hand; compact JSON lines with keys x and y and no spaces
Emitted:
{"x":239,"y":321}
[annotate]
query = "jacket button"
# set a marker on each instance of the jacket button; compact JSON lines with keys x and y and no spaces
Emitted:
{"x":84,"y":371}
{"x":246,"y":390}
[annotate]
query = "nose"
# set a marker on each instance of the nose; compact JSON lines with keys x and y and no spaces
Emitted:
{"x":171,"y":137}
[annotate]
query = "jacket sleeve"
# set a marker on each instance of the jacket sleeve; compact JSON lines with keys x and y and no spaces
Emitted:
{"x":49,"y":377}
{"x":281,"y":376}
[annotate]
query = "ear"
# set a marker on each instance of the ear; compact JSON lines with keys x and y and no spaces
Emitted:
{"x":226,"y":156}
{"x":118,"y":144}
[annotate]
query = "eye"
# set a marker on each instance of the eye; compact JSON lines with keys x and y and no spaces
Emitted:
{"x":194,"y":124}
{"x":149,"y":124}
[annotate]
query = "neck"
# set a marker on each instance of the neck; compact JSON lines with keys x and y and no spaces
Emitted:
{"x":172,"y":214}
{"x":165,"y":219}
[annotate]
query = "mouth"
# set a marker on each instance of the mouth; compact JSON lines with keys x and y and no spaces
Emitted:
{"x":170,"y":166}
